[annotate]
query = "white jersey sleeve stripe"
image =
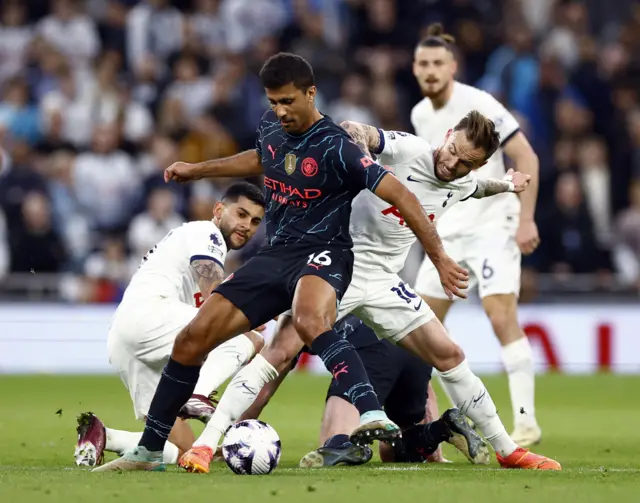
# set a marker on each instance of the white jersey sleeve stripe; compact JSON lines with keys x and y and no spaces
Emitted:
{"x":504,"y":141}
{"x":381,"y":146}
{"x":205,"y":257}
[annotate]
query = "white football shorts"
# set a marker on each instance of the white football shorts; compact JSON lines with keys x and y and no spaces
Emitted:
{"x":385,"y":303}
{"x":140,"y":342}
{"x":491,"y":257}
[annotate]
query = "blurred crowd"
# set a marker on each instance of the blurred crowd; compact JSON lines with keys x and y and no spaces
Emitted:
{"x":97,"y":97}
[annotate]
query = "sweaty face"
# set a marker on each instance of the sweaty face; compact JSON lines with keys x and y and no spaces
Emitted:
{"x":293,"y":107}
{"x":457,"y":157}
{"x":434,"y":68}
{"x":238,"y":221}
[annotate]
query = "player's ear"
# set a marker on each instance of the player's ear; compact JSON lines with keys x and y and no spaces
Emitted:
{"x":311,"y":93}
{"x":218,"y":209}
{"x":446,"y":137}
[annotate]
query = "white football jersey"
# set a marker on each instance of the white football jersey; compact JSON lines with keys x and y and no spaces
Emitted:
{"x":165,"y":270}
{"x":380,"y":235}
{"x":433,"y":125}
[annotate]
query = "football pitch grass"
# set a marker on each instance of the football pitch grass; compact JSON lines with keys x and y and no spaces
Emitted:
{"x":590,"y":425}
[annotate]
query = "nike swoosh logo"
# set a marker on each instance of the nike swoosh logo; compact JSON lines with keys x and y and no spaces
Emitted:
{"x":476,"y":400}
{"x":418,"y":306}
{"x":411,"y":179}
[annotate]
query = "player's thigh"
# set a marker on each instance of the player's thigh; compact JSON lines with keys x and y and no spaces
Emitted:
{"x":340,"y":417}
{"x":321,"y":283}
{"x":495,"y":260}
{"x":427,"y":282}
{"x":391,"y":307}
{"x":285,"y":344}
{"x":258,"y":290}
{"x":405,"y":404}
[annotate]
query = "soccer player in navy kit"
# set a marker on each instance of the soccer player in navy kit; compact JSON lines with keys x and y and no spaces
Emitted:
{"x":312,"y":171}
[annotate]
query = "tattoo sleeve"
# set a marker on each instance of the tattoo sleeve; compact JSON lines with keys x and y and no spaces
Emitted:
{"x":208,"y":275}
{"x":487,"y":188}
{"x":363,"y":135}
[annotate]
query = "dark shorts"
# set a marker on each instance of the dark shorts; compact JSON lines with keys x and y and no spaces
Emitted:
{"x":264,"y":286}
{"x":399,"y":378}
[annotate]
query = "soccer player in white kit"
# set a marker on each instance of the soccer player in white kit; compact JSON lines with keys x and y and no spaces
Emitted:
{"x":486,"y":236}
{"x":175,"y":277}
{"x":439,"y":178}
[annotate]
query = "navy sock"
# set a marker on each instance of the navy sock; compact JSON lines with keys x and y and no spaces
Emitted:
{"x":342,"y":360}
{"x":337,"y":441}
{"x":421,"y":440}
{"x":174,"y":390}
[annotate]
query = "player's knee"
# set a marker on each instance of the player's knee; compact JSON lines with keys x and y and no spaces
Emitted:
{"x":310,"y":326}
{"x":257,"y":340}
{"x":278,"y":355}
{"x":450,"y":359}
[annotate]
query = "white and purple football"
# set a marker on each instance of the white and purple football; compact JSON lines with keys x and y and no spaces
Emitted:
{"x":251,"y":447}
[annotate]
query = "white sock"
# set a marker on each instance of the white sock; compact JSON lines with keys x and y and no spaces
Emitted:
{"x":237,"y":398}
{"x":518,"y":362}
{"x":223,"y":362}
{"x":119,"y":441}
{"x":473,"y":399}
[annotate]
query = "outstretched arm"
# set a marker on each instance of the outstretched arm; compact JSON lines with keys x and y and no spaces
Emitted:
{"x":209,"y":274}
{"x":365,"y":136}
{"x":241,"y":165}
{"x":513,"y":181}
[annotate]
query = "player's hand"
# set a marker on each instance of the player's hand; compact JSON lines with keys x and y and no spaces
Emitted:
{"x":520,"y":180}
{"x":454,"y":278}
{"x":527,"y":237}
{"x":182,"y":172}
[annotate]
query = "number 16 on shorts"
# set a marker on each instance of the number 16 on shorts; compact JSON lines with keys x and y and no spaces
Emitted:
{"x":318,"y":260}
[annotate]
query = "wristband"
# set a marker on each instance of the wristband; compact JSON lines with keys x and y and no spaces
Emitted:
{"x":512,"y":187}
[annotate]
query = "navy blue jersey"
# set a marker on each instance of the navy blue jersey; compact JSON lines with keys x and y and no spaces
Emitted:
{"x":310,"y":180}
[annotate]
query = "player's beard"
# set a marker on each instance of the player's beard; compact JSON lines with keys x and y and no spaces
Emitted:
{"x":437,"y":93}
{"x":228,"y":232}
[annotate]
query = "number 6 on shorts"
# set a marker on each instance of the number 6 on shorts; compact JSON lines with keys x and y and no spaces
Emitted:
{"x":487,"y":271}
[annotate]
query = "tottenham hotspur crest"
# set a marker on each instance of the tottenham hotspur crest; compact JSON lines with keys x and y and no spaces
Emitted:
{"x":215,"y":239}
{"x":290,"y":163}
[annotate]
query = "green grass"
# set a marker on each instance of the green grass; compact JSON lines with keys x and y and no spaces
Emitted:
{"x":589,"y":423}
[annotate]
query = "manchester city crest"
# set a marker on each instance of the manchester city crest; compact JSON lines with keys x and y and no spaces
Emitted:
{"x":290,"y":163}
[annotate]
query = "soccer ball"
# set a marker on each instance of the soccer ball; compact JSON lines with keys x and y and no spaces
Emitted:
{"x":251,"y":447}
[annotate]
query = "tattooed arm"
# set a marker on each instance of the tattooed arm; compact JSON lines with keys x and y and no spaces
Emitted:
{"x":208,"y":274}
{"x":514,"y":181}
{"x":365,"y":136}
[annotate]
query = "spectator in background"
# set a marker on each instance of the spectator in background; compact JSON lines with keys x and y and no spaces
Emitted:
{"x":627,"y":242}
{"x":106,"y":182}
{"x":67,"y":212}
{"x":568,"y":238}
{"x":36,"y":247}
{"x":353,"y":104}
{"x":4,"y":246}
{"x":108,"y":271}
{"x":148,"y":228}
{"x":15,"y":37}
{"x":187,"y":97}
{"x":17,"y":115}
{"x":206,"y":25}
{"x":154,"y":31}
{"x":72,"y":33}
{"x":19,"y":179}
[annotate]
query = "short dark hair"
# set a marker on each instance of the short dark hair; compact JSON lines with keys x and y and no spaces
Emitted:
{"x":480,"y":131}
{"x":436,"y":37}
{"x":246,"y":189}
{"x":286,"y":68}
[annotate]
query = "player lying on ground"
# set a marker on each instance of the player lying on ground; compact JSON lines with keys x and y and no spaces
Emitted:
{"x":401,"y":381}
{"x":312,"y":172}
{"x":440,"y":178}
{"x":174,"y":279}
{"x":487,"y":236}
